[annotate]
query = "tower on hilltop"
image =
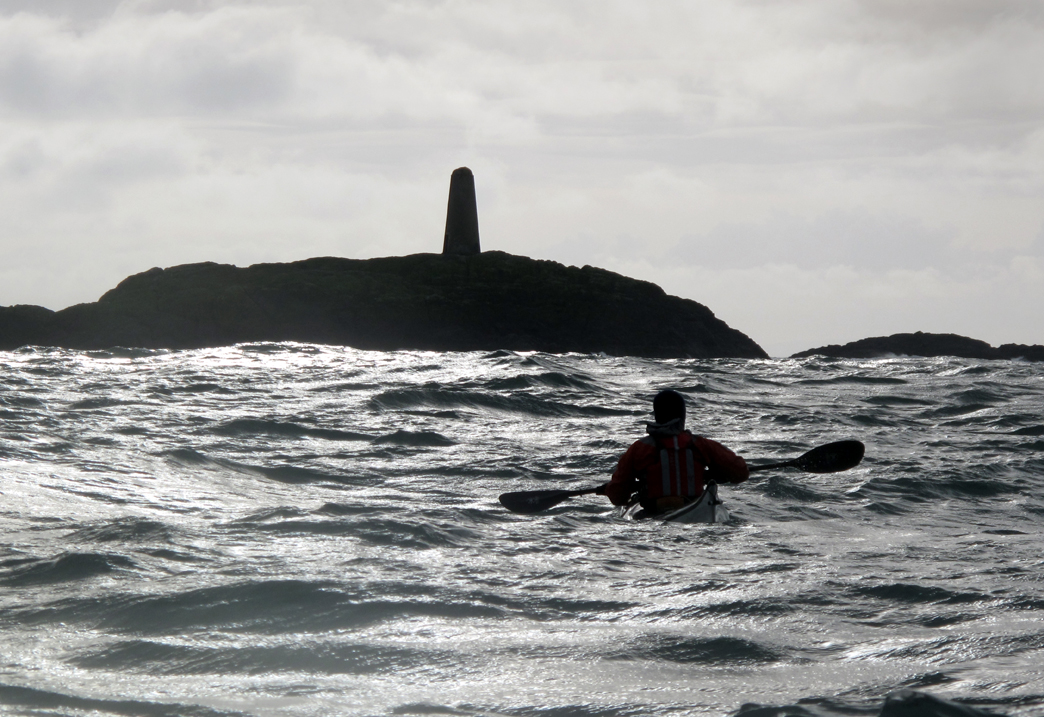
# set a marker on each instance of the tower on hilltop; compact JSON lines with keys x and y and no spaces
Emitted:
{"x":462,"y":234}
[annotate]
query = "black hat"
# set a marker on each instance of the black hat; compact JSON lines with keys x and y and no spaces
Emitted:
{"x":668,"y":405}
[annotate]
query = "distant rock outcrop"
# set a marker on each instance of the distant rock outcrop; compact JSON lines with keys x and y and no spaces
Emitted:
{"x":928,"y":345}
{"x":491,"y":300}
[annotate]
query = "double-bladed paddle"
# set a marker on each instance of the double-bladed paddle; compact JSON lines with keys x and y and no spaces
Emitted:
{"x":830,"y":458}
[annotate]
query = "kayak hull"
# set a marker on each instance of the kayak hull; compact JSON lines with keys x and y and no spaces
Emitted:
{"x":706,"y":509}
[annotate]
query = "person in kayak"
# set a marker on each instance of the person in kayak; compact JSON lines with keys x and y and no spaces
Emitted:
{"x":670,"y":467}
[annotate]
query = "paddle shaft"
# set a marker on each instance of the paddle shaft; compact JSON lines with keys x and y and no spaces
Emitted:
{"x":767,"y":466}
{"x":585,"y":491}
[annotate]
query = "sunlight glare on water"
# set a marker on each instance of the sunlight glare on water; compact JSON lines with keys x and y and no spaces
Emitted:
{"x":287,"y":529}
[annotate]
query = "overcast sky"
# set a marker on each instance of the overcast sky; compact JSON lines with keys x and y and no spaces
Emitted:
{"x":814,"y":172}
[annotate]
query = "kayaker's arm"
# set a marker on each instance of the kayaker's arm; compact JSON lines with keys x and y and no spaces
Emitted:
{"x":624,"y":482}
{"x":723,"y":466}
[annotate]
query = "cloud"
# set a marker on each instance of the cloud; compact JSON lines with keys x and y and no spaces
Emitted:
{"x":224,"y":62}
{"x":836,"y":239}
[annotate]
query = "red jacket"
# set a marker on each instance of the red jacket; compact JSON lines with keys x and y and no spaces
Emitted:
{"x":642,"y":466}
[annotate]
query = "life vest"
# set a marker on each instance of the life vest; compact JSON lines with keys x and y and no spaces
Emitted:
{"x":677,"y":471}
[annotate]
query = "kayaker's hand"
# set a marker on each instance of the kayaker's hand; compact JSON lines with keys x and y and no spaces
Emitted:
{"x":601,"y":489}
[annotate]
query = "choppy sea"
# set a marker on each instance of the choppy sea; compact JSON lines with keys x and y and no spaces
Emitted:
{"x":290,"y":529}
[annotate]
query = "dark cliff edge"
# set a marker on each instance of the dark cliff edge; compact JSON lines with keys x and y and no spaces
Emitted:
{"x":491,"y":300}
{"x":927,"y":345}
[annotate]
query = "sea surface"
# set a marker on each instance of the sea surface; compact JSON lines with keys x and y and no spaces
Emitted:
{"x":291,"y":529}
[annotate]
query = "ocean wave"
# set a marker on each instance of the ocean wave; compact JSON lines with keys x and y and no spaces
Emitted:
{"x":901,"y":703}
{"x":40,"y":701}
{"x":1037,"y":430}
{"x":695,"y":650}
{"x":783,"y":488}
{"x":893,"y":401}
{"x":20,"y":401}
{"x":292,"y":474}
{"x":282,"y":347}
{"x":400,"y":534}
{"x":853,"y":379}
{"x":204,"y":387}
{"x":64,"y":568}
{"x":301,"y":474}
{"x":959,"y":648}
{"x":319,"y":658}
{"x":350,"y":509}
{"x":438,"y":397}
{"x":550,"y":379}
{"x":258,"y":427}
{"x":912,"y":593}
{"x":270,"y":607}
{"x":133,"y":530}
{"x":123,"y":352}
{"x":415,"y":438}
{"x":736,"y":609}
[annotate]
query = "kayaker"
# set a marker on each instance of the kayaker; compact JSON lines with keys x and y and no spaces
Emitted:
{"x":670,"y":467}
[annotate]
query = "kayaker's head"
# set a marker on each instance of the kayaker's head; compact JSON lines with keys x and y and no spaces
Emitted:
{"x":667,"y":406}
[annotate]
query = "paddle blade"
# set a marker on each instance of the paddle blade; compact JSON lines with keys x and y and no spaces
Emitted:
{"x":534,"y":501}
{"x":832,"y":457}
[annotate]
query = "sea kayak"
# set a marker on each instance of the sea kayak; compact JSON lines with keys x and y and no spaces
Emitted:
{"x":705,"y":509}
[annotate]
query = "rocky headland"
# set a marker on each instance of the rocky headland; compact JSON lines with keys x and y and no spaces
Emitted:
{"x":443,"y":302}
{"x":927,"y":345}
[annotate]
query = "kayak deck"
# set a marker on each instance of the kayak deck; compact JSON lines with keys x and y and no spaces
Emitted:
{"x":705,"y":509}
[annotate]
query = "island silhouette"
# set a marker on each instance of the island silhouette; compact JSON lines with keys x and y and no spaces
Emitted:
{"x":460,"y":300}
{"x":925,"y":345}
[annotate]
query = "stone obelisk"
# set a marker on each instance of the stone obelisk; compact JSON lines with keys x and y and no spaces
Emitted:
{"x":462,"y":235}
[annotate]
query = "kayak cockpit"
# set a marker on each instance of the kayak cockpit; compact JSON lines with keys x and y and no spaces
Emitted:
{"x":708,"y":508}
